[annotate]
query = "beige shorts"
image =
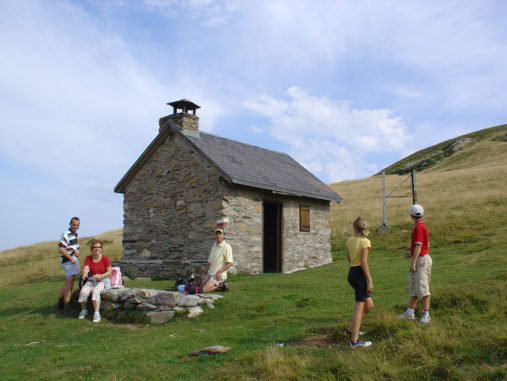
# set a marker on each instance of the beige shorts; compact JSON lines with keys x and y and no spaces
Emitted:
{"x":419,"y":282}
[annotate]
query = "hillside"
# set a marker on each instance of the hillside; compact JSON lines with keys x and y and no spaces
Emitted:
{"x":470,"y":179}
{"x":473,"y":149}
{"x":42,"y":260}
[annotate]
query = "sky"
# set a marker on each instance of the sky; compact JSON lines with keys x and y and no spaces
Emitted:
{"x":346,"y":87}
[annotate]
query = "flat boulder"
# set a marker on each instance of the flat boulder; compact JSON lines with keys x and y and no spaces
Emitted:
{"x":212,"y":350}
{"x":163,"y":299}
{"x":159,"y":317}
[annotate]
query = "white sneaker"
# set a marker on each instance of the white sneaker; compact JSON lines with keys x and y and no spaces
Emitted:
{"x":96,"y":317}
{"x":347,"y":332}
{"x":407,"y":315}
{"x":82,"y":314}
{"x":425,"y":317}
{"x":360,"y":344}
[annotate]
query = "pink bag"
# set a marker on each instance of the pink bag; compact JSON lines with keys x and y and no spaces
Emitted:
{"x":115,"y":277}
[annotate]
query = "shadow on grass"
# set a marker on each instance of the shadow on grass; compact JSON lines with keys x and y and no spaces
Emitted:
{"x":46,"y":310}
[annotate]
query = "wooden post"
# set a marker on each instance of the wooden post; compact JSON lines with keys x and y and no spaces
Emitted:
{"x":414,"y":190}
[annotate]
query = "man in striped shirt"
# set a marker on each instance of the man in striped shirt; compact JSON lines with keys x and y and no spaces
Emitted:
{"x":69,"y":251}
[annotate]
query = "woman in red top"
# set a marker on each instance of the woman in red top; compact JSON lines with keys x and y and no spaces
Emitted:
{"x":97,"y":268}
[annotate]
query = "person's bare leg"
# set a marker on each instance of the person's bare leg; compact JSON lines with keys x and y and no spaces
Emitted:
{"x":426,"y":302}
{"x":356,"y":321}
{"x":413,"y":302}
{"x":368,"y":306}
{"x":209,"y":286}
{"x":67,"y":288}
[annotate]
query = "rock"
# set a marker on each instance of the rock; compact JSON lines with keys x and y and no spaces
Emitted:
{"x":189,"y":301}
{"x":143,"y":295}
{"x":130,"y":303}
{"x":109,"y":305}
{"x":116,"y":294}
{"x":146,"y":307}
{"x":160,"y":317}
{"x":214,"y":296}
{"x":159,"y":305}
{"x":194,"y":312}
{"x":164,"y":299}
{"x":208,"y":302}
{"x":212,"y":350}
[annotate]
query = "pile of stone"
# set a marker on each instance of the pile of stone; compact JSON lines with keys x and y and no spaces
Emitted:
{"x":160,"y":306}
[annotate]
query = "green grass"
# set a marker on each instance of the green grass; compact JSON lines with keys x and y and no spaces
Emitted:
{"x":464,"y":197}
{"x":305,"y":310}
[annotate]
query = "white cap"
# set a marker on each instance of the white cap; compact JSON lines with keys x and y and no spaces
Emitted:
{"x":416,"y":210}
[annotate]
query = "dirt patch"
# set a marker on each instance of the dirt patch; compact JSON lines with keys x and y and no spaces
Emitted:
{"x":316,"y":341}
{"x":129,"y":326}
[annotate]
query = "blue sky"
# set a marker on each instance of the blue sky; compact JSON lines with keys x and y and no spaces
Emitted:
{"x":345,"y":87}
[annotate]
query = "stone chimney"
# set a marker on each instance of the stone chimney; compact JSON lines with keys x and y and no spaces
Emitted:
{"x":187,"y":123}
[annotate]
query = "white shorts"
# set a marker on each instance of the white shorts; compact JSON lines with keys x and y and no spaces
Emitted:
{"x":70,"y":268}
{"x":212,"y":278}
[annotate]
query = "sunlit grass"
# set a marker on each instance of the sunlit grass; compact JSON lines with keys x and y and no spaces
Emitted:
{"x":42,"y":260}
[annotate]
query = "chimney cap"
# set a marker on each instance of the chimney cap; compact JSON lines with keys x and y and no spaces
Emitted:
{"x":185,"y":105}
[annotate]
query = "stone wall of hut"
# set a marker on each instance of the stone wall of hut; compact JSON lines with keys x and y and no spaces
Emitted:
{"x":243,"y":207}
{"x":171,"y":206}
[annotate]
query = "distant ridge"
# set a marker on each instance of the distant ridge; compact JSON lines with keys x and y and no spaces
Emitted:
{"x":439,"y":154}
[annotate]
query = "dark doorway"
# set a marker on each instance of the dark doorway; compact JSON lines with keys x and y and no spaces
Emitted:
{"x":272,"y":237}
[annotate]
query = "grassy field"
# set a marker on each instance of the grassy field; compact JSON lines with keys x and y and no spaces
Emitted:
{"x":466,"y":204}
{"x":39,"y":262}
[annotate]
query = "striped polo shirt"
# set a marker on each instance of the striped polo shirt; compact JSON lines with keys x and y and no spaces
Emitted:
{"x":69,"y":243}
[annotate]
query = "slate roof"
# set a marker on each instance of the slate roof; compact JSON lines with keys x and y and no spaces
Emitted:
{"x":249,"y":165}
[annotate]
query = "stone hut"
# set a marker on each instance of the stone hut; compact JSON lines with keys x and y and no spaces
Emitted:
{"x":274,"y":212}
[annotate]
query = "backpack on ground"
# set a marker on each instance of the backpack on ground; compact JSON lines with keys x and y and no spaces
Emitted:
{"x":115,"y":278}
{"x":188,"y":286}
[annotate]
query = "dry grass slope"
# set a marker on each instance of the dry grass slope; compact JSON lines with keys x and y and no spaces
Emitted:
{"x":42,"y":260}
{"x":465,"y":149}
{"x":472,"y":179}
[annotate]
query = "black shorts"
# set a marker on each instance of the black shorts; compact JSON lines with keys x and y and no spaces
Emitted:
{"x":359,"y":283}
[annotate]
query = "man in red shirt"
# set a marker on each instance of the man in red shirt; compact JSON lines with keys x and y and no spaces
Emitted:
{"x":420,"y":267}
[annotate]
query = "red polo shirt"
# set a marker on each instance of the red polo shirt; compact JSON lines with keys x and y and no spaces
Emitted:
{"x":420,"y":236}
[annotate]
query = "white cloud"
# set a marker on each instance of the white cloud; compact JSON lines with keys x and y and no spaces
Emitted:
{"x":329,"y":137}
{"x":73,"y":88}
{"x":256,"y":130}
{"x":69,"y":88}
{"x":213,"y":12}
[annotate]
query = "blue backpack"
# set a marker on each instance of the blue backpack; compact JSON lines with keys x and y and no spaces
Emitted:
{"x":188,"y":286}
